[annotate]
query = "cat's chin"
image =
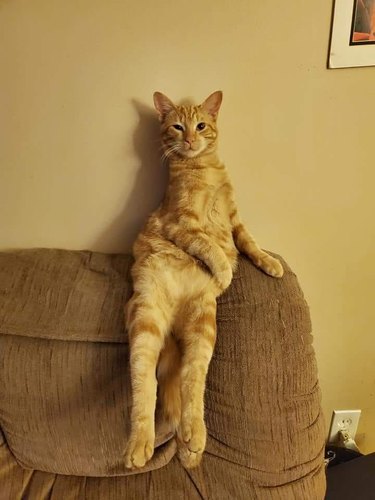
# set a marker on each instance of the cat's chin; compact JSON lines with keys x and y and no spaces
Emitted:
{"x":191,"y":153}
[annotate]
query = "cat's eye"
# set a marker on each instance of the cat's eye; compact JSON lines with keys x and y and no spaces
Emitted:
{"x":178,"y":127}
{"x":201,"y":126}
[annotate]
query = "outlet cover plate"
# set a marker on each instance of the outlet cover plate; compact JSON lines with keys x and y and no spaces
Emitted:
{"x":343,"y":420}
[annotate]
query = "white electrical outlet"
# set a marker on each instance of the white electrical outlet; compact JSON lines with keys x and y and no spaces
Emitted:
{"x":343,"y":420}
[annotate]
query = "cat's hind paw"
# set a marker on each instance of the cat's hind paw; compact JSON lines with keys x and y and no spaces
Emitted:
{"x":191,"y":443}
{"x":188,"y":458}
{"x":140,"y":449}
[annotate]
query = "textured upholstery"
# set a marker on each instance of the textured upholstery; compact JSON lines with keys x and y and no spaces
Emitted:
{"x":65,"y":398}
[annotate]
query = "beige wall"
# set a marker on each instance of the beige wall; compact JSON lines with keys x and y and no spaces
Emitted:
{"x":79,"y":159}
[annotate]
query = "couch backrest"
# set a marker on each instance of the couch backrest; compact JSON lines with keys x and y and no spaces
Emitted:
{"x":65,"y":392}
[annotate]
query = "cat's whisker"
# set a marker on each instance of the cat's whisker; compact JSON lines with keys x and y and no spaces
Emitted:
{"x":165,"y":154}
{"x":169,"y":151}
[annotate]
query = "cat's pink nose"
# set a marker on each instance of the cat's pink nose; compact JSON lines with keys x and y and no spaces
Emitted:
{"x":189,"y":143}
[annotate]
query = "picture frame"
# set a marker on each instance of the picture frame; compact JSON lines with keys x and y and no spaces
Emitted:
{"x":353,"y":34}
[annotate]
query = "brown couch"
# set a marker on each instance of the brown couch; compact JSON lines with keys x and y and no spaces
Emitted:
{"x":64,"y":388}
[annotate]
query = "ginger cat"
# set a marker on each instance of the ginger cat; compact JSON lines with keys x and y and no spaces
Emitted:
{"x":184,"y":259}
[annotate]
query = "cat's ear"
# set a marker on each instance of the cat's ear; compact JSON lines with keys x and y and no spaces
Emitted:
{"x":212,"y":104}
{"x":162,"y":104}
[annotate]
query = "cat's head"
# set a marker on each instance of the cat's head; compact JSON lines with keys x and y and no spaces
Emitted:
{"x":188,"y":131}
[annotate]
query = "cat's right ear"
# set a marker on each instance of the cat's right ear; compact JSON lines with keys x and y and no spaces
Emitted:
{"x":212,"y":103}
{"x":162,"y":104}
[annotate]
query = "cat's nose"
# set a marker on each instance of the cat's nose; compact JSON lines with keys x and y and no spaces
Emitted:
{"x":189,"y":141}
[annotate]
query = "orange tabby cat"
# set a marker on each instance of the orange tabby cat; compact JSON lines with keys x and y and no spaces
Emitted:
{"x":184,"y":259}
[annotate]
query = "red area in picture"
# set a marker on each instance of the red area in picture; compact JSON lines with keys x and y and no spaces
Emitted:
{"x":363,"y":30}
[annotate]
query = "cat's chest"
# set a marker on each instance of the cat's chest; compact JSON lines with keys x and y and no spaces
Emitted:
{"x":216,"y":209}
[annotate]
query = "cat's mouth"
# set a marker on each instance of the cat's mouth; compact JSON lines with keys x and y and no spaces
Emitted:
{"x":183,"y":150}
{"x":190,"y":153}
{"x":190,"y":150}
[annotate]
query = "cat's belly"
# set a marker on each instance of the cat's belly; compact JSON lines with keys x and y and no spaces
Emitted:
{"x":163,"y":265}
{"x":177,"y":276}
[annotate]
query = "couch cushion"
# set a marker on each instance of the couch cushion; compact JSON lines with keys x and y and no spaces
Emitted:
{"x":216,"y":479}
{"x":64,"y":295}
{"x":66,"y":400}
{"x":65,"y":406}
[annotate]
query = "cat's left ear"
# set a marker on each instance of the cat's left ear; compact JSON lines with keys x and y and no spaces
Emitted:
{"x":212,"y":104}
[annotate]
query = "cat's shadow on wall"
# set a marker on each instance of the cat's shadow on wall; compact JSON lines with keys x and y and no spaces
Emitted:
{"x":148,"y":190}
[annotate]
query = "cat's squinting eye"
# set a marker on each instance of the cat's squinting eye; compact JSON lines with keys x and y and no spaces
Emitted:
{"x":201,"y":126}
{"x":178,"y":127}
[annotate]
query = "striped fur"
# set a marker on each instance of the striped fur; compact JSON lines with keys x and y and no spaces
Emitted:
{"x":184,"y":259}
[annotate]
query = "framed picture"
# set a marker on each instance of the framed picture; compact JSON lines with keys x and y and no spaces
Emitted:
{"x":353,"y":34}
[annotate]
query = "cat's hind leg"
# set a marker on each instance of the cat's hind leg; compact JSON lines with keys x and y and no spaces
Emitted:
{"x":169,"y":381}
{"x":197,"y":333}
{"x":148,"y":324}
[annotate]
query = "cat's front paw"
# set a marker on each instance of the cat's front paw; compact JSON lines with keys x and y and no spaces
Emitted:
{"x":224,"y":277}
{"x":191,"y":442}
{"x":271,"y":266}
{"x":140,"y":448}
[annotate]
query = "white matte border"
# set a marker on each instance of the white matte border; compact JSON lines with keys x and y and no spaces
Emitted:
{"x":343,"y":55}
